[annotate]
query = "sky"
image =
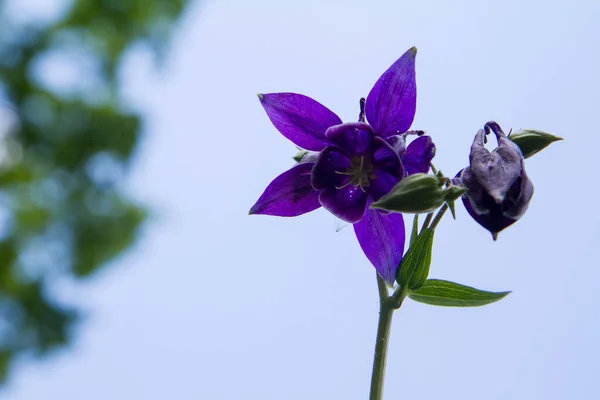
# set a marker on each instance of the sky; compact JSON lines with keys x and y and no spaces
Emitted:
{"x":214,"y":304}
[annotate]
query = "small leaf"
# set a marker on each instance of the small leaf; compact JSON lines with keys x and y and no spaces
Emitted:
{"x":532,"y":141}
{"x":438,"y":292}
{"x":414,"y":267}
{"x":415,"y":229}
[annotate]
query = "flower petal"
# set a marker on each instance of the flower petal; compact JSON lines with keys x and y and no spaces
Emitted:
{"x":381,"y":237}
{"x":495,"y":171}
{"x":494,"y":221}
{"x":387,"y":157}
{"x":418,"y":156}
{"x":289,"y":195}
{"x":352,"y":138}
{"x":392,"y":102}
{"x":347,"y":203}
{"x":484,"y":209}
{"x":299,"y":118}
{"x":381,"y":184}
{"x":324,"y":173}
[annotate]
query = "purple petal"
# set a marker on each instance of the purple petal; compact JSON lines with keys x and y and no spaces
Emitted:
{"x":392,"y":102}
{"x":353,"y":138}
{"x":386,"y":158}
{"x":299,"y":118}
{"x":381,"y":237}
{"x":418,"y":155}
{"x":325,"y":172}
{"x":347,"y":203}
{"x":382,"y":184}
{"x":289,"y":195}
{"x":495,"y":171}
{"x":397,"y":143}
{"x":494,"y":221}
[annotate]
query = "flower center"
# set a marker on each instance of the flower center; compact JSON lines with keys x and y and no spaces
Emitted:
{"x":360,"y":173}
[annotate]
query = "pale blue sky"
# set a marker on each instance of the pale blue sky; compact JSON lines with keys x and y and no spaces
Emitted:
{"x":214,"y":304}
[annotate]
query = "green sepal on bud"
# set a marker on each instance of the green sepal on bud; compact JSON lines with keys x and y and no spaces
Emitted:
{"x":453,"y":194}
{"x":303,"y":156}
{"x":532,"y":142}
{"x":419,"y":193}
{"x":300,"y":155}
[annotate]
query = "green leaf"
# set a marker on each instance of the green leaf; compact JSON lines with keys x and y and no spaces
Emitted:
{"x":438,"y":292}
{"x":532,"y":141}
{"x":415,"y":229}
{"x":414,"y":267}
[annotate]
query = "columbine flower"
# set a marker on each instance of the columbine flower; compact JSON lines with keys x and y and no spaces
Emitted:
{"x":356,"y":164}
{"x":499,"y":189}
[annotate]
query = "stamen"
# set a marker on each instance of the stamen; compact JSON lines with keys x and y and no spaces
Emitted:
{"x":359,"y":172}
{"x":344,"y":185}
{"x":361,"y":115}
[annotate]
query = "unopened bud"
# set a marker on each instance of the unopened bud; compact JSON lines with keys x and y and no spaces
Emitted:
{"x":300,"y":155}
{"x":499,"y":188}
{"x":531,"y":141}
{"x":418,"y":193}
{"x":305,"y":156}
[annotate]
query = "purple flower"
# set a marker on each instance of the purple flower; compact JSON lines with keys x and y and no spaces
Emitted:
{"x":499,"y":189}
{"x":355,"y":164}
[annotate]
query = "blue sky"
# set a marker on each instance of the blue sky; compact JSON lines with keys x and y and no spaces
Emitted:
{"x":214,"y":304}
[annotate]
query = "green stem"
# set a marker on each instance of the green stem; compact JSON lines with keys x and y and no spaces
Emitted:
{"x":384,"y":294}
{"x":439,"y":216}
{"x":381,"y":345}
{"x":387,"y":305}
{"x":427,"y":221}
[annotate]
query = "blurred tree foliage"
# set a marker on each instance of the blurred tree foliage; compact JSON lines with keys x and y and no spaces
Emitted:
{"x":63,"y":151}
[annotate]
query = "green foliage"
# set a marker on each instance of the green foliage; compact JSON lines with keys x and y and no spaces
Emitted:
{"x":57,"y":197}
{"x":449,"y":294}
{"x":415,"y":230}
{"x":531,"y":141}
{"x":414,"y":267}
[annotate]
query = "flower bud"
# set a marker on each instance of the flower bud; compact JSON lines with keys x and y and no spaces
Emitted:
{"x":418,"y":193}
{"x":531,"y":141}
{"x":303,"y":156}
{"x":499,"y":189}
{"x":455,"y":192}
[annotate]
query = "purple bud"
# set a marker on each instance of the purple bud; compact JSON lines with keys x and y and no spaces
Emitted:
{"x":499,"y":189}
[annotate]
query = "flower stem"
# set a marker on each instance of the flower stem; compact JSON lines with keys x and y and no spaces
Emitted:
{"x":381,"y":345}
{"x":439,"y":216}
{"x":387,"y":305}
{"x":384,"y":294}
{"x":427,"y":221}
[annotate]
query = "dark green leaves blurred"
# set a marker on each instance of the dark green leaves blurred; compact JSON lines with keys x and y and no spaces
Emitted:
{"x":64,"y":150}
